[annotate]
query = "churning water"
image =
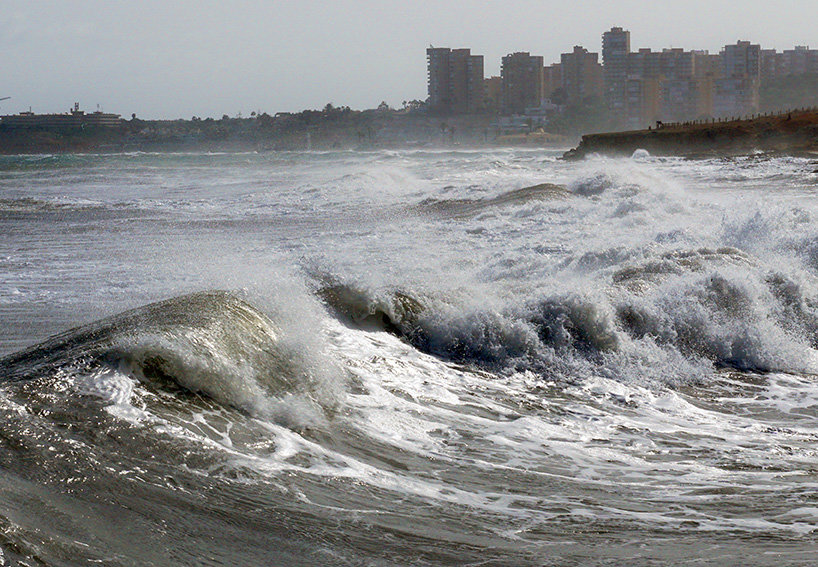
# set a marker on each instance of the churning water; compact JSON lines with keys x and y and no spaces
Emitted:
{"x":408,"y":358}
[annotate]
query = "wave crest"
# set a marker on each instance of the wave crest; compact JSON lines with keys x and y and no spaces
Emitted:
{"x":210,"y":343}
{"x":465,"y":208}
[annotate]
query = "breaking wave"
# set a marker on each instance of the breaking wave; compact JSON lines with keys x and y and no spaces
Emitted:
{"x":464,"y":208}
{"x":697,"y":310}
{"x":209,"y":343}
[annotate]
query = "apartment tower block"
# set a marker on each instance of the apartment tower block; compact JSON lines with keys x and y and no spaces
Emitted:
{"x":455,"y":80}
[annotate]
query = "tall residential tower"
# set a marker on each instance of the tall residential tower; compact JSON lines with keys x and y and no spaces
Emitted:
{"x":581,"y":74}
{"x":455,"y":80}
{"x":616,"y":45}
{"x":522,"y":76}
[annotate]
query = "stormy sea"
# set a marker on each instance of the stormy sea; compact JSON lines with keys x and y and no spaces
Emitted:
{"x":421,"y":358}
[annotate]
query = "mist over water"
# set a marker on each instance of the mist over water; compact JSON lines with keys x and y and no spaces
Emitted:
{"x":407,"y":358}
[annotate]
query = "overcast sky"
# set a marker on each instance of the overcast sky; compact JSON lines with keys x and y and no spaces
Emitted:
{"x":170,"y":59}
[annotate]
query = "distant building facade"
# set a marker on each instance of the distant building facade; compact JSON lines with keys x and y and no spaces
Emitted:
{"x":683,"y":99}
{"x":455,"y":81}
{"x":736,"y":92}
{"x":551,"y":80}
{"x":641,"y":102}
{"x":675,"y":85}
{"x":771,"y":64}
{"x":742,"y":59}
{"x":736,"y":96}
{"x":581,"y":74}
{"x":616,"y":46}
{"x":800,"y":61}
{"x":522,"y":80}
{"x":639,"y":87}
{"x":75,"y":118}
{"x":493,"y":93}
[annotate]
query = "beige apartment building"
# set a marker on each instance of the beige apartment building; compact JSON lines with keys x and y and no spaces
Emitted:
{"x":522,"y":82}
{"x":455,"y":81}
{"x":581,"y":74}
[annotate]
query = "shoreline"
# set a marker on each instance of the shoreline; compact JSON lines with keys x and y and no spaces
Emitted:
{"x":239,"y":149}
{"x":306,"y":131}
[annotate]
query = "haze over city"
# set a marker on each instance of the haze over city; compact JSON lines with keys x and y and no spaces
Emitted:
{"x":207,"y":58}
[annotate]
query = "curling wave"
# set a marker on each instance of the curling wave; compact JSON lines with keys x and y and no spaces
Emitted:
{"x":465,"y":208}
{"x":210,"y":343}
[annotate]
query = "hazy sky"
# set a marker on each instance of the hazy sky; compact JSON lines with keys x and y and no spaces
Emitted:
{"x":169,"y":59}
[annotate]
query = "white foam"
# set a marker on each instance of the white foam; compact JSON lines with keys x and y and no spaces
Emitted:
{"x":115,"y":389}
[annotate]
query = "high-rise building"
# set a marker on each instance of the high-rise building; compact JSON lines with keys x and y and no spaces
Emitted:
{"x":800,"y":61}
{"x":742,"y":59}
{"x":676,"y":63}
{"x":736,"y":92}
{"x":644,"y":64}
{"x":685,"y":99}
{"x":455,"y":80}
{"x":522,"y":75}
{"x":735,"y":96}
{"x":493,"y":89}
{"x":708,"y":65}
{"x":772,"y":64}
{"x":465,"y":81}
{"x":672,"y":85}
{"x":641,"y":104}
{"x":437,"y":64}
{"x":672,"y":63}
{"x":616,"y":45}
{"x":581,"y":74}
{"x":551,"y":80}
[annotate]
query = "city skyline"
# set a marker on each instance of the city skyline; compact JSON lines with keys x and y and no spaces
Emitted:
{"x":207,"y":59}
{"x":631,"y":88}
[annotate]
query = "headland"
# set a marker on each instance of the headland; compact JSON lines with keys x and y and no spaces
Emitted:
{"x":791,"y":132}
